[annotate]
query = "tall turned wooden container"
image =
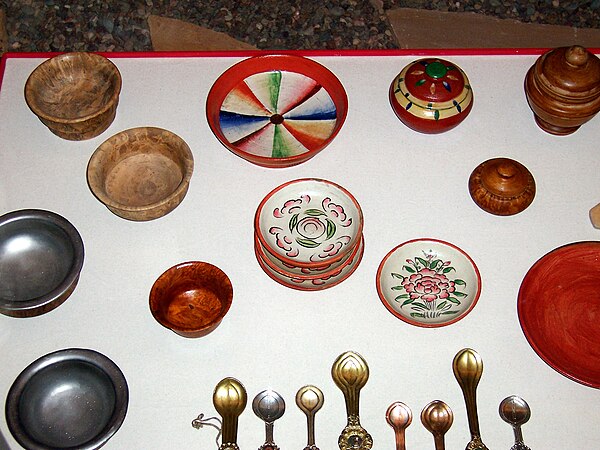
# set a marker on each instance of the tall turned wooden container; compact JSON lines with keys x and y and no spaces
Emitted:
{"x":563,"y":89}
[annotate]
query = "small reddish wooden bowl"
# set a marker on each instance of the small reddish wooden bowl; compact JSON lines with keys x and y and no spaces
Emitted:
{"x":431,"y":95}
{"x":276,"y":110}
{"x":191,"y":298}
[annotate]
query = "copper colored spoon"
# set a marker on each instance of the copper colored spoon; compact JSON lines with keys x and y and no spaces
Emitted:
{"x":468,"y":367}
{"x":399,"y":417}
{"x":437,"y":417}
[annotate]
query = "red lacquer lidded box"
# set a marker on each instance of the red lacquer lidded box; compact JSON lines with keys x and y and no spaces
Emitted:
{"x":431,"y":95}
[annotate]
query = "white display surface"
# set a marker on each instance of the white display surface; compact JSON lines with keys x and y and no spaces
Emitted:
{"x":409,"y":185}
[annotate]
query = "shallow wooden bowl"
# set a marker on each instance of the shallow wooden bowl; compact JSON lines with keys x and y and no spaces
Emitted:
{"x":191,"y":298}
{"x":141,"y":173}
{"x":75,"y":94}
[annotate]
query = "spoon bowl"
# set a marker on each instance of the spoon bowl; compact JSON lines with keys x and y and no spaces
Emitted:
{"x":514,"y":410}
{"x":268,"y":406}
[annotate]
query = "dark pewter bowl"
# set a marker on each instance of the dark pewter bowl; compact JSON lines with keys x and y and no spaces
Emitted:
{"x":69,"y":399}
{"x":41,"y":256}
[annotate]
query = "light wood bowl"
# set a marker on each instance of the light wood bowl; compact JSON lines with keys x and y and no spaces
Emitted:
{"x":75,"y":94}
{"x":141,"y":173}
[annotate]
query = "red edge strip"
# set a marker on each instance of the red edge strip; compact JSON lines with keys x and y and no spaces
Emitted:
{"x":248,"y":53}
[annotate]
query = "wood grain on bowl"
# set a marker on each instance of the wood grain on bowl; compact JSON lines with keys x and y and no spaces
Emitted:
{"x":75,"y":94}
{"x":141,"y":173}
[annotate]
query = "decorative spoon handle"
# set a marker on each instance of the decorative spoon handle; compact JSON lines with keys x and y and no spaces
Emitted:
{"x":468,"y":367}
{"x":310,"y":399}
{"x":519,"y":446}
{"x":229,"y":399}
{"x":350,"y":373}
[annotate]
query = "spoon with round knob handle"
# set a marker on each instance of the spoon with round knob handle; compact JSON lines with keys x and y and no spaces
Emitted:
{"x":516,"y":412}
{"x":350,"y":373}
{"x":310,"y":399}
{"x":437,"y":418}
{"x":399,"y":417}
{"x":468,"y":367}
{"x":268,"y":406}
{"x":230,"y":400}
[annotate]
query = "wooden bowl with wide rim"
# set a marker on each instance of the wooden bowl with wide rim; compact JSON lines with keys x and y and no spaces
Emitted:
{"x":191,"y":298}
{"x":141,"y":173}
{"x":75,"y":94}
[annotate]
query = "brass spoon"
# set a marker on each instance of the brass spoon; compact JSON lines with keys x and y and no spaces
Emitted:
{"x":468,"y":367}
{"x":310,"y":399}
{"x":350,"y":373}
{"x":230,"y":400}
{"x":437,"y":417}
{"x":516,"y":412}
{"x":399,"y":417}
{"x":268,"y":406}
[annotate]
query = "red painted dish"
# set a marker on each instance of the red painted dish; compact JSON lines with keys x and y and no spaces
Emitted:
{"x":559,"y":307}
{"x":431,"y":95}
{"x":324,"y":280}
{"x":276,"y":110}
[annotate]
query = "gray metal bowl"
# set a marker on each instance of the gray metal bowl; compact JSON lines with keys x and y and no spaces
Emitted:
{"x":41,"y":256}
{"x":69,"y":399}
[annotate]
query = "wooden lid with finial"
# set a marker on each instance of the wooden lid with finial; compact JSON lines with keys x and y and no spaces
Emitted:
{"x":502,"y":186}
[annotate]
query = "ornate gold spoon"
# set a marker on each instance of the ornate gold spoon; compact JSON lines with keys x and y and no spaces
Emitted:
{"x":437,"y":417}
{"x":230,"y":400}
{"x":268,"y":406}
{"x":515,"y":411}
{"x":399,"y":417}
{"x":350,"y":373}
{"x":468,"y":367}
{"x":310,"y":399}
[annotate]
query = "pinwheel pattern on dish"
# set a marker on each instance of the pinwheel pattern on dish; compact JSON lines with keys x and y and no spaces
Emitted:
{"x":278,"y":114}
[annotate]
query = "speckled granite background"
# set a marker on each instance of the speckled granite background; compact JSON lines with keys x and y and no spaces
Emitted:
{"x":93,"y":25}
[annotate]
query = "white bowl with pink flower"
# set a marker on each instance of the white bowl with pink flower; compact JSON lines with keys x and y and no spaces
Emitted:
{"x":428,"y":282}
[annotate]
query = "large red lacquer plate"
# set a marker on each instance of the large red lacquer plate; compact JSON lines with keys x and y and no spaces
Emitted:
{"x":559,"y":310}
